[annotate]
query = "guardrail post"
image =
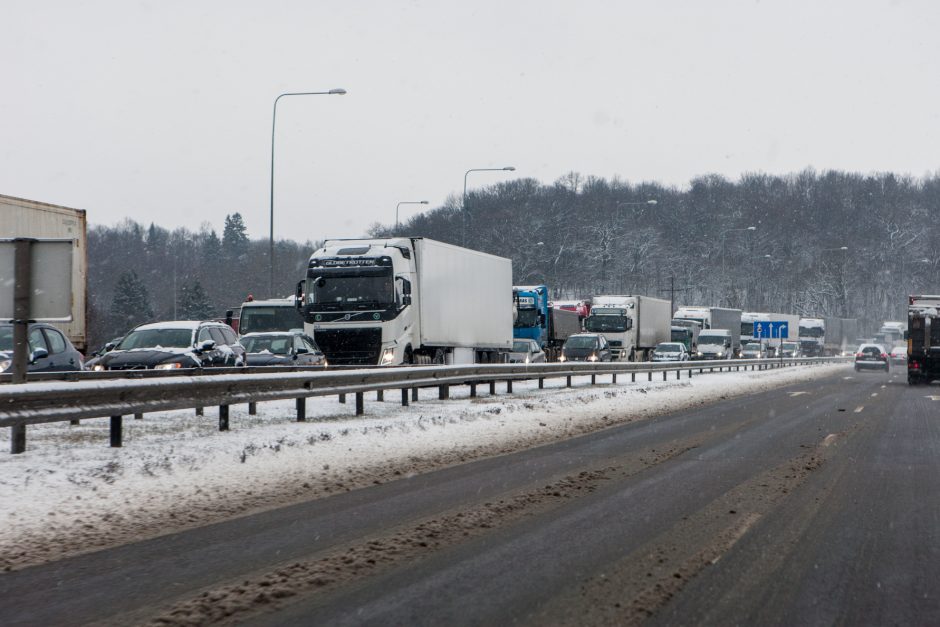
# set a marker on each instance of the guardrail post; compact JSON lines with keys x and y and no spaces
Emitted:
{"x":75,"y":421}
{"x":593,"y":379}
{"x":568,"y":381}
{"x":678,"y":374}
{"x":473,"y":390}
{"x":223,"y":417}
{"x":301,"y":409}
{"x":360,"y":409}
{"x":509,"y":386}
{"x":200,"y":412}
{"x":650,"y":377}
{"x":414,"y":395}
{"x":493,"y":388}
{"x":632,"y":377}
{"x":613,"y":378}
{"x":690,"y":373}
{"x":541,"y":383}
{"x":664,"y":375}
{"x":380,"y":395}
{"x":117,"y":431}
{"x":404,"y":397}
{"x":139,"y":416}
{"x":252,"y":409}
{"x":17,"y":439}
{"x":443,"y":392}
{"x":342,"y":398}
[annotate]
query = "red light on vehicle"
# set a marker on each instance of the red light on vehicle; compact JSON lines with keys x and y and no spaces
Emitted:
{"x":250,"y":298}
{"x":884,"y":356}
{"x":859,"y":354}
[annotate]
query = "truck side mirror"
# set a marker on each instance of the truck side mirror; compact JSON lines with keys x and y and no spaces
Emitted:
{"x":406,"y":287}
{"x":406,"y":300}
{"x":229,"y":316}
{"x":907,"y":335}
{"x":299,"y":296}
{"x":541,"y":319}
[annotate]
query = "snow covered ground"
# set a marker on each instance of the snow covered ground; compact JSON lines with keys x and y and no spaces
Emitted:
{"x":71,"y":493}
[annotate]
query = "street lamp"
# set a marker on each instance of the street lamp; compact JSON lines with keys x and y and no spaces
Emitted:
{"x":463,"y":204}
{"x":332,"y":92}
{"x":406,"y":202}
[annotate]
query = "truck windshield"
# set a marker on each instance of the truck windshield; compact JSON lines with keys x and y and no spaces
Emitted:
{"x":701,"y":321}
{"x":261,"y":319}
{"x":157,"y":338}
{"x":527,"y":318}
{"x":811,"y":332}
{"x":581,"y":341}
{"x":747,"y":328}
{"x":351,"y":290}
{"x":606,"y":324}
{"x":680,"y":335}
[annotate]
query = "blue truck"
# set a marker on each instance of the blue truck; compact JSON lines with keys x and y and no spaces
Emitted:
{"x":536,"y":319}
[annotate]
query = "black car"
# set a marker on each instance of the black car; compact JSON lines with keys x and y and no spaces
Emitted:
{"x":871,"y":357}
{"x":49,"y":349}
{"x":282,"y":348}
{"x":586,"y":347}
{"x":171,"y":345}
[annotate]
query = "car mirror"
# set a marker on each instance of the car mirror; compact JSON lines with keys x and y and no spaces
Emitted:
{"x":39,"y":353}
{"x":301,"y":350}
{"x":205,"y":345}
{"x":109,"y":347}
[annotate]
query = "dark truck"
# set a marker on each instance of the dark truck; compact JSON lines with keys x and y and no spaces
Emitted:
{"x":923,"y":339}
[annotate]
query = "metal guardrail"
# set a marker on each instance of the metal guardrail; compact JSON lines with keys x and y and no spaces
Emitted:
{"x":65,"y":400}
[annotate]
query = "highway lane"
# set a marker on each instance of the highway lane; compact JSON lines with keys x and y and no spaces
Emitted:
{"x":588,"y":512}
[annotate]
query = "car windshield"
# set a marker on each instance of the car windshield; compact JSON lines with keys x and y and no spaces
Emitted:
{"x":790,"y":346}
{"x":669,"y":348}
{"x":276,"y":344}
{"x":6,"y":338}
{"x":751,"y":346}
{"x":581,"y":342}
{"x":157,"y":338}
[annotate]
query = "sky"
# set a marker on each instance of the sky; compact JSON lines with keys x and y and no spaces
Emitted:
{"x":161,"y":110}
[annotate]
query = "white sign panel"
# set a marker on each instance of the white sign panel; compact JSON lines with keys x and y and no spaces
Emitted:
{"x":51,"y":280}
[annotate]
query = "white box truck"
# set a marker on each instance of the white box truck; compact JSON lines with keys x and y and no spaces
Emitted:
{"x":720,"y":337}
{"x":407,"y":300}
{"x":633,"y":325}
{"x":29,"y":218}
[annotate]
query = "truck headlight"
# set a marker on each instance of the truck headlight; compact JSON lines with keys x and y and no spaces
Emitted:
{"x":562,"y":357}
{"x":164,"y":366}
{"x":97,"y":368}
{"x":5,"y":364}
{"x":526,"y":359}
{"x":388,"y":356}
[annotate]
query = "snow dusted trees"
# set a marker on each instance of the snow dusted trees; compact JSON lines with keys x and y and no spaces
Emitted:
{"x":131,"y":303}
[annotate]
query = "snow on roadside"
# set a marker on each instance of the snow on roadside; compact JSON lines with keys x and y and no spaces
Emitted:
{"x":72,"y":493}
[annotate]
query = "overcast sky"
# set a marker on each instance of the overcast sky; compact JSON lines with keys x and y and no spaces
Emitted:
{"x":161,"y":111}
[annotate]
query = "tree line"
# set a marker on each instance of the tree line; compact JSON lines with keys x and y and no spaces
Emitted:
{"x":831,"y":243}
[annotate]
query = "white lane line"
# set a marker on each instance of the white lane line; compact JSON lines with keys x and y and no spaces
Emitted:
{"x":829,"y":439}
{"x":883,"y":386}
{"x":859,"y":409}
{"x":792,"y":394}
{"x":874,"y":393}
{"x":933,"y":397}
{"x":847,"y":378}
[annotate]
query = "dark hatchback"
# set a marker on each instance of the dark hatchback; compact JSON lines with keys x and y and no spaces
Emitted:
{"x":282,"y":349}
{"x":871,"y":357}
{"x":586,"y":347}
{"x":172,"y":345}
{"x":49,"y":349}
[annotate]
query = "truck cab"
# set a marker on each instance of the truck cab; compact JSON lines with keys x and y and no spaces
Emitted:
{"x":531,"y":321}
{"x":812,"y":336}
{"x":715,"y":344}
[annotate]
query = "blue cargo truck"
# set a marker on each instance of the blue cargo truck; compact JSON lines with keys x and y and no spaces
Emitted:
{"x":536,"y":319}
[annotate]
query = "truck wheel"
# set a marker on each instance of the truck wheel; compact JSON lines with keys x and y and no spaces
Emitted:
{"x":439,"y":356}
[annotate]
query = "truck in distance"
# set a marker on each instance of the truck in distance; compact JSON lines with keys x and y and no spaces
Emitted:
{"x":827,"y":336}
{"x":712,"y":342}
{"x":407,"y":300}
{"x":923,"y":339}
{"x":275,"y":314}
{"x":536,"y":319}
{"x":633,"y":325}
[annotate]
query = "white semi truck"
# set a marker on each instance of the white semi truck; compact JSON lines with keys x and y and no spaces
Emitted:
{"x":407,"y":300}
{"x":633,"y":325}
{"x":827,"y":336}
{"x":29,"y":218}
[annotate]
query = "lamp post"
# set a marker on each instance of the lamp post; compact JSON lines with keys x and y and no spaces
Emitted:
{"x":332,"y":92}
{"x":406,"y":202}
{"x":463,"y":203}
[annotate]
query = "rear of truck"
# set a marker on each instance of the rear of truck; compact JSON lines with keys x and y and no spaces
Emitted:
{"x":923,"y":339}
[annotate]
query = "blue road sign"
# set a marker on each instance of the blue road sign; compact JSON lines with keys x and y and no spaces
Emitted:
{"x":768,"y":329}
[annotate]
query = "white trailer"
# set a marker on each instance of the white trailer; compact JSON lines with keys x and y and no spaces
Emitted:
{"x":633,"y":325}
{"x":407,"y":300}
{"x":29,"y":218}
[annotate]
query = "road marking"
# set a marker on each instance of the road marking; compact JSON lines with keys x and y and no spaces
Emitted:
{"x":792,"y":394}
{"x":829,"y":439}
{"x":883,"y":386}
{"x":933,"y":397}
{"x":874,"y":393}
{"x":847,"y":378}
{"x":859,"y":409}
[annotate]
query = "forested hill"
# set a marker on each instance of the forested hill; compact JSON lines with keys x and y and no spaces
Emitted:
{"x":833,"y":243}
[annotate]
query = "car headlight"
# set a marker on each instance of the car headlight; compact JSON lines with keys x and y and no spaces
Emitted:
{"x":699,"y":353}
{"x":97,"y":367}
{"x":168,"y":366}
{"x":562,"y":357}
{"x":388,"y":356}
{"x":325,"y":363}
{"x":526,"y":359}
{"x":592,"y":358}
{"x":5,"y":364}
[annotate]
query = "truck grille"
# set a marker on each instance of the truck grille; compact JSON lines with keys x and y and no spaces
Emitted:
{"x":350,"y":347}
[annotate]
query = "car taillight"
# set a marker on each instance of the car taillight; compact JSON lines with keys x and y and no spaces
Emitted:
{"x":884,"y":356}
{"x":859,"y":354}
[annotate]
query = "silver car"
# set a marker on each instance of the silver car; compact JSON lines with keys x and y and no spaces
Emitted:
{"x":670,"y":351}
{"x":526,"y":352}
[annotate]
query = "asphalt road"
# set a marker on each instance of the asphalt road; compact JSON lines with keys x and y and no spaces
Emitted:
{"x":816,"y":503}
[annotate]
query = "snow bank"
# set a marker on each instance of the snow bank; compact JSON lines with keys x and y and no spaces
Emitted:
{"x":72,"y":493}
